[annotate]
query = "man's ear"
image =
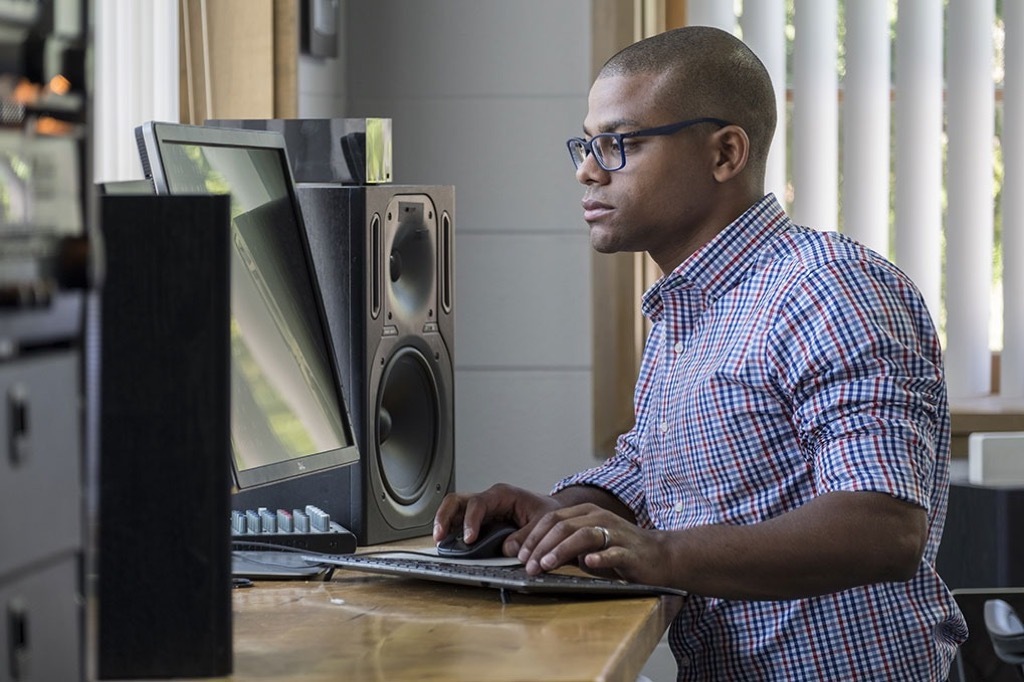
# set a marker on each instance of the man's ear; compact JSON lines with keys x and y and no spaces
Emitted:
{"x":733,"y":151}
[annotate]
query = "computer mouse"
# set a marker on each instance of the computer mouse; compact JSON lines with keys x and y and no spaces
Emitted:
{"x":488,"y":543}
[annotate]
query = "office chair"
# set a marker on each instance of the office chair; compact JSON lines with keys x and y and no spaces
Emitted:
{"x":1006,"y":631}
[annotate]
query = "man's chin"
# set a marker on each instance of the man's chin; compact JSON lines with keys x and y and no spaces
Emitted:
{"x":601,"y":241}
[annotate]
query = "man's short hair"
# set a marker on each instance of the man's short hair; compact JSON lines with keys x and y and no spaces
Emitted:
{"x":707,"y":72}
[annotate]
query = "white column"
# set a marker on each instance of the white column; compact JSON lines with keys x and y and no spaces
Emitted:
{"x":1011,"y":376}
{"x":136,"y":79}
{"x":970,"y":126}
{"x":717,"y":13}
{"x":105,"y":87}
{"x":866,"y":89}
{"x":764,"y":31}
{"x":165,"y":66}
{"x":815,"y":115}
{"x":918,"y":149}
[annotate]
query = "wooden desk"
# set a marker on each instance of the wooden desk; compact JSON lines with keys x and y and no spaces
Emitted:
{"x":367,"y":627}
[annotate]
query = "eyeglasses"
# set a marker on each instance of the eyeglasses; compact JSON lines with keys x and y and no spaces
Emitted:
{"x":610,"y":152}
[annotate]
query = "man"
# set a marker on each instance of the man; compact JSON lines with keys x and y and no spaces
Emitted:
{"x":789,"y":462}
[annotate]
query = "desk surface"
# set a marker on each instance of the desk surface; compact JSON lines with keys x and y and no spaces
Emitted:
{"x":367,"y":627}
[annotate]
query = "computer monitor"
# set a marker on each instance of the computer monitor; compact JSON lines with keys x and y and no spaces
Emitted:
{"x":288,"y":416}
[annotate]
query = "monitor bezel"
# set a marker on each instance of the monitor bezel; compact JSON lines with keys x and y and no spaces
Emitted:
{"x":151,"y":138}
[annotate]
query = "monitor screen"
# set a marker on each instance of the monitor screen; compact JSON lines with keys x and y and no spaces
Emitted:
{"x":287,"y":414}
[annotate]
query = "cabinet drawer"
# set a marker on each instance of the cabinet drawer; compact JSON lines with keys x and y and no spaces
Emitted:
{"x":41,"y":625}
{"x":40,"y":459}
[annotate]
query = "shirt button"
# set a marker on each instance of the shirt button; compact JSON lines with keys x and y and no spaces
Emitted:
{"x":678,"y":507}
{"x":663,"y":426}
{"x":678,"y":348}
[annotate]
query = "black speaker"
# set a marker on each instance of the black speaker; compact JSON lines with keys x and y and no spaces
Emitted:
{"x":160,"y":342}
{"x":384,"y":256}
{"x":983,"y":539}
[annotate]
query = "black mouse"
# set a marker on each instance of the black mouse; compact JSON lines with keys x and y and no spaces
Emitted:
{"x":488,"y":543}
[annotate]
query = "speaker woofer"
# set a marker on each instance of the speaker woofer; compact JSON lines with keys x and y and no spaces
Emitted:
{"x":407,"y":425}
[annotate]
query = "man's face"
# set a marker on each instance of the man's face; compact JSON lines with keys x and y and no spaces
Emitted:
{"x":659,"y":202}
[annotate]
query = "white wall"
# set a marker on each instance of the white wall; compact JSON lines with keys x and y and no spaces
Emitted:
{"x":482,"y":95}
{"x":322,"y":82}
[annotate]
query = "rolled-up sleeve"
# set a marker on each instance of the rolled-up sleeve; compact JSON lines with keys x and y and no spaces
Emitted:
{"x":620,"y":475}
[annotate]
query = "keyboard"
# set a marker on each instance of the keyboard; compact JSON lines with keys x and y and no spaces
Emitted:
{"x":514,"y":578}
{"x":308,"y":529}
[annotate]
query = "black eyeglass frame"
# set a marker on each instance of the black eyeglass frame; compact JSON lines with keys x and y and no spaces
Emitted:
{"x":588,"y":145}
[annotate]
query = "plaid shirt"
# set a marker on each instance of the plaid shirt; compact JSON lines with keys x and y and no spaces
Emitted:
{"x":785,"y":363}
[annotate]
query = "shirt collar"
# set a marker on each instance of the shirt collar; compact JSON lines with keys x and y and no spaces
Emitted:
{"x":718,"y":265}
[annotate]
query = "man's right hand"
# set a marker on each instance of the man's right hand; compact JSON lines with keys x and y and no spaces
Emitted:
{"x":499,"y":502}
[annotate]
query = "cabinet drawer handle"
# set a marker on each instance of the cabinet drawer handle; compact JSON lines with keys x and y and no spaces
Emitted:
{"x":18,"y":424}
{"x":18,"y":642}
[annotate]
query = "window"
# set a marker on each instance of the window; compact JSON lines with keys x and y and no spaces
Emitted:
{"x":896,"y":135}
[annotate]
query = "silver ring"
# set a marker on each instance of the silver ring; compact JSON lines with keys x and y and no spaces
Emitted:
{"x":607,"y":537}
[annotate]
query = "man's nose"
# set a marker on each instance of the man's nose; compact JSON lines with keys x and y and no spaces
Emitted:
{"x":590,"y":171}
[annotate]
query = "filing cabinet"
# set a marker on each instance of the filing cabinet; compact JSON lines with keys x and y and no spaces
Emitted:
{"x":45,"y":273}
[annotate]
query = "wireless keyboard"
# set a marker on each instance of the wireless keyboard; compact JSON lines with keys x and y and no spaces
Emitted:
{"x":514,"y":578}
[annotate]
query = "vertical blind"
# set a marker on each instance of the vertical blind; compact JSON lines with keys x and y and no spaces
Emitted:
{"x":917,"y":200}
{"x":1012,"y":366}
{"x":854,"y":114}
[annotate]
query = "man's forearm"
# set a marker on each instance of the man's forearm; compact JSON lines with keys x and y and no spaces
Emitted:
{"x":837,"y":541}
